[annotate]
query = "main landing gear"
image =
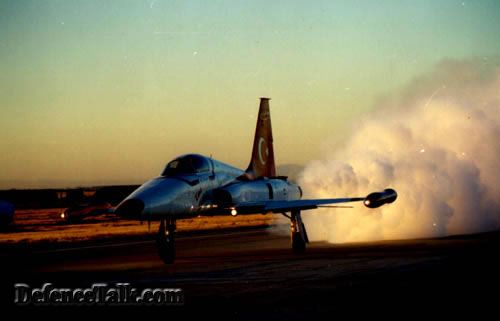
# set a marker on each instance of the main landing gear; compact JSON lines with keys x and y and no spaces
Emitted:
{"x":166,"y":240}
{"x":298,"y":234}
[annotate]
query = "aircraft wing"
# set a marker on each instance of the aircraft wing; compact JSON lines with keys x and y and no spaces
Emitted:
{"x":287,"y":206}
{"x":373,"y":200}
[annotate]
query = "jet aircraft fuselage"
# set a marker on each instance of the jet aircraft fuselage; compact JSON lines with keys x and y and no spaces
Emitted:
{"x":193,"y":185}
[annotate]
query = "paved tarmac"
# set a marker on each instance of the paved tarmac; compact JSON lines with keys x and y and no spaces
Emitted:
{"x":253,"y":275}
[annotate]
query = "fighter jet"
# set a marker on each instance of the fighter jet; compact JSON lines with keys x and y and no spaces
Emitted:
{"x":193,"y":185}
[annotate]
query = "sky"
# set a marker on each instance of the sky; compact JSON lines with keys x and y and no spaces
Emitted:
{"x":104,"y":92}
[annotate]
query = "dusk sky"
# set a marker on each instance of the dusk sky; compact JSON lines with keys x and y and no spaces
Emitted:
{"x":100,"y":92}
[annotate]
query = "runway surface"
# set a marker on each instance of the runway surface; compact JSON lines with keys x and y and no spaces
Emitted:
{"x":253,"y":274}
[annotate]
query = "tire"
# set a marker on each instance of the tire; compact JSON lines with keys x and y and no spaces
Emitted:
{"x":298,"y":243}
{"x":166,"y":246}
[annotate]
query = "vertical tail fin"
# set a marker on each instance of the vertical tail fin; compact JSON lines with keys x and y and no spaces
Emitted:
{"x":262,"y":162}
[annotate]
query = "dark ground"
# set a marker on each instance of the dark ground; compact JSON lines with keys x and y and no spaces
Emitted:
{"x":253,"y":275}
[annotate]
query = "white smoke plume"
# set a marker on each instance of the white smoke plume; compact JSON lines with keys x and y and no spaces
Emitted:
{"x":437,"y":145}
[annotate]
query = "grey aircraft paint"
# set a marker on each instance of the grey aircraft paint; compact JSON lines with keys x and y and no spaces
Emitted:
{"x":193,"y":185}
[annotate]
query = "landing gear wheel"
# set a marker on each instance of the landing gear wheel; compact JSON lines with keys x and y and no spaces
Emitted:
{"x":165,"y":241}
{"x":298,"y":244}
{"x":298,"y":234}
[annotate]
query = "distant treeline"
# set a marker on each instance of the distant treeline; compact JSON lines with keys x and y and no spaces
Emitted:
{"x":51,"y":198}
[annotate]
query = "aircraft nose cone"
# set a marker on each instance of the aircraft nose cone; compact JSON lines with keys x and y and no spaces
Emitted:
{"x":130,"y":208}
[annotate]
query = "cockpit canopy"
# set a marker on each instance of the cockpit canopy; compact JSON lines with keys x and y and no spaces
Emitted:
{"x":187,"y":164}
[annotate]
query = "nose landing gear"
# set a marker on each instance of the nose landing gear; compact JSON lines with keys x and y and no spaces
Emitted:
{"x":165,"y":240}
